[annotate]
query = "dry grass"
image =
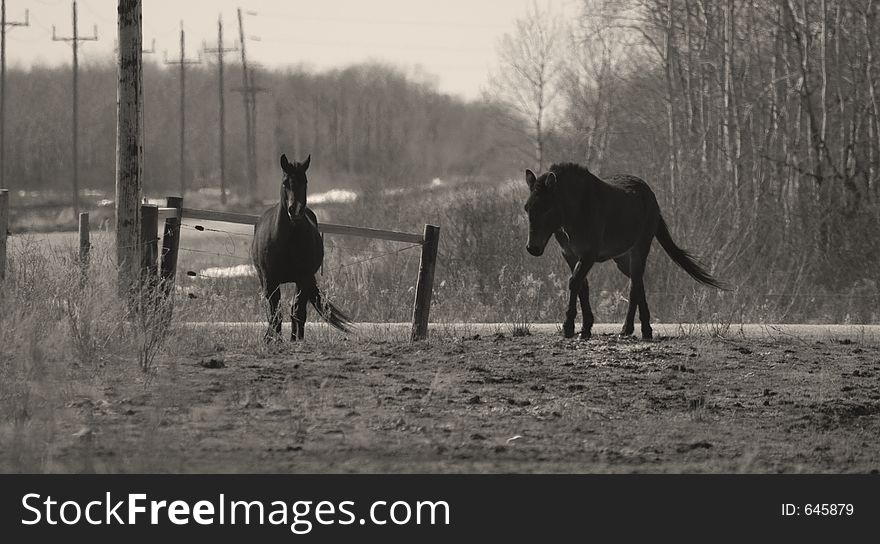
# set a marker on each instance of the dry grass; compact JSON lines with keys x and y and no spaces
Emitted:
{"x":65,"y":345}
{"x":65,"y":342}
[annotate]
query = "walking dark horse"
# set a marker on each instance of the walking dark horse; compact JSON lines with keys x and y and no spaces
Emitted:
{"x":288,"y":248}
{"x":594,"y":221}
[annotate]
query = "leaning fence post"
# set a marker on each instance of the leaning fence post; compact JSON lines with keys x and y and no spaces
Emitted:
{"x":149,"y":244}
{"x":84,"y":245}
{"x":170,"y":245}
{"x":4,"y":230}
{"x":425,"y":285}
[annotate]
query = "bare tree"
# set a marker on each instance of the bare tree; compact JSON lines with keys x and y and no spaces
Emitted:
{"x":591,"y":74}
{"x":530,"y":66}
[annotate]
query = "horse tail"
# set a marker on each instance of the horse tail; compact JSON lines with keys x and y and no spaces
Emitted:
{"x":330,"y":313}
{"x":684,"y":259}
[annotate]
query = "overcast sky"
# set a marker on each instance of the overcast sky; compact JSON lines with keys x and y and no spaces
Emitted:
{"x":452,"y":40}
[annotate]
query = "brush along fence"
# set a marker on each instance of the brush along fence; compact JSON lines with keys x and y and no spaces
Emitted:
{"x":162,"y":265}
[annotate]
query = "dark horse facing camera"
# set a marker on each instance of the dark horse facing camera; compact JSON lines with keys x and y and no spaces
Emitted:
{"x":288,"y":248}
{"x":293,"y":188}
{"x":594,"y":221}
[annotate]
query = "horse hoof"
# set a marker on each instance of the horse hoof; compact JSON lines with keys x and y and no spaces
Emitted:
{"x":568,"y":330}
{"x":626,"y":332}
{"x":647,"y":334}
{"x":586,"y":335}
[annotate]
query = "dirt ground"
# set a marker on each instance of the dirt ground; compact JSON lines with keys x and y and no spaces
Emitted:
{"x":489,"y":403}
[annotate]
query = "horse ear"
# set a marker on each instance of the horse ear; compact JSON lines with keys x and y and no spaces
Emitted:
{"x":284,"y":162}
{"x":531,"y":180}
{"x":305,"y":164}
{"x":551,"y":180}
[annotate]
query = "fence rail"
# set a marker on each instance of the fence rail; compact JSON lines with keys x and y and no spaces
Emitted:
{"x":159,"y":268}
{"x":326,"y":228}
{"x":429,"y":242}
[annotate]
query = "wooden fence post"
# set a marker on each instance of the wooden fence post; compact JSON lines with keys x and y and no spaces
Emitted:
{"x":149,"y":244}
{"x":425,"y":285}
{"x":4,"y":230}
{"x":170,"y":245}
{"x":85,"y":245}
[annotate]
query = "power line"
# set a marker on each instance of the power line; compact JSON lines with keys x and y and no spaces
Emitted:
{"x":35,"y":22}
{"x":4,"y":24}
{"x":98,"y":14}
{"x":74,"y":41}
{"x":249,"y":92}
{"x":220,"y":51}
{"x":378,"y":22}
{"x":378,"y":45}
{"x":183,"y":62}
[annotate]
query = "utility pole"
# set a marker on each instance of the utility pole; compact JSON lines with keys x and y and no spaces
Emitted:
{"x":4,"y":24}
{"x":221,"y":51}
{"x":129,"y":144}
{"x":183,"y":62}
{"x":245,"y":83}
{"x":74,"y":41}
{"x":149,"y":51}
{"x":250,"y":91}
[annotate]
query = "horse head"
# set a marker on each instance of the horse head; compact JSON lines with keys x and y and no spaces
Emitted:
{"x":545,"y":216}
{"x":294,"y":186}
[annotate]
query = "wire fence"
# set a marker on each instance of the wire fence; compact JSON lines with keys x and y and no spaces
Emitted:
{"x":367,"y":255}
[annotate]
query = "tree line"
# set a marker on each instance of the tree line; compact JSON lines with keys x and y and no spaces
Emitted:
{"x":756,"y":122}
{"x":366,"y":126}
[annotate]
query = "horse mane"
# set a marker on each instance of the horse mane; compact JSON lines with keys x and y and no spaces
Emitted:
{"x":572,"y":171}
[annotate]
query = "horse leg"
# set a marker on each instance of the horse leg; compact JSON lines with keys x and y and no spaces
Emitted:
{"x":644,"y":313}
{"x":583,"y":295}
{"x":298,"y":314}
{"x":306,"y":292}
{"x":575,"y":286}
{"x":623,"y":264}
{"x":586,"y":311}
{"x":637,"y":297}
{"x":273,"y":294}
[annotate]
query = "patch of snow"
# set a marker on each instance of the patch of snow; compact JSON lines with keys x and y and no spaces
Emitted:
{"x":394,"y":191}
{"x":238,"y":271}
{"x":333,"y":196}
